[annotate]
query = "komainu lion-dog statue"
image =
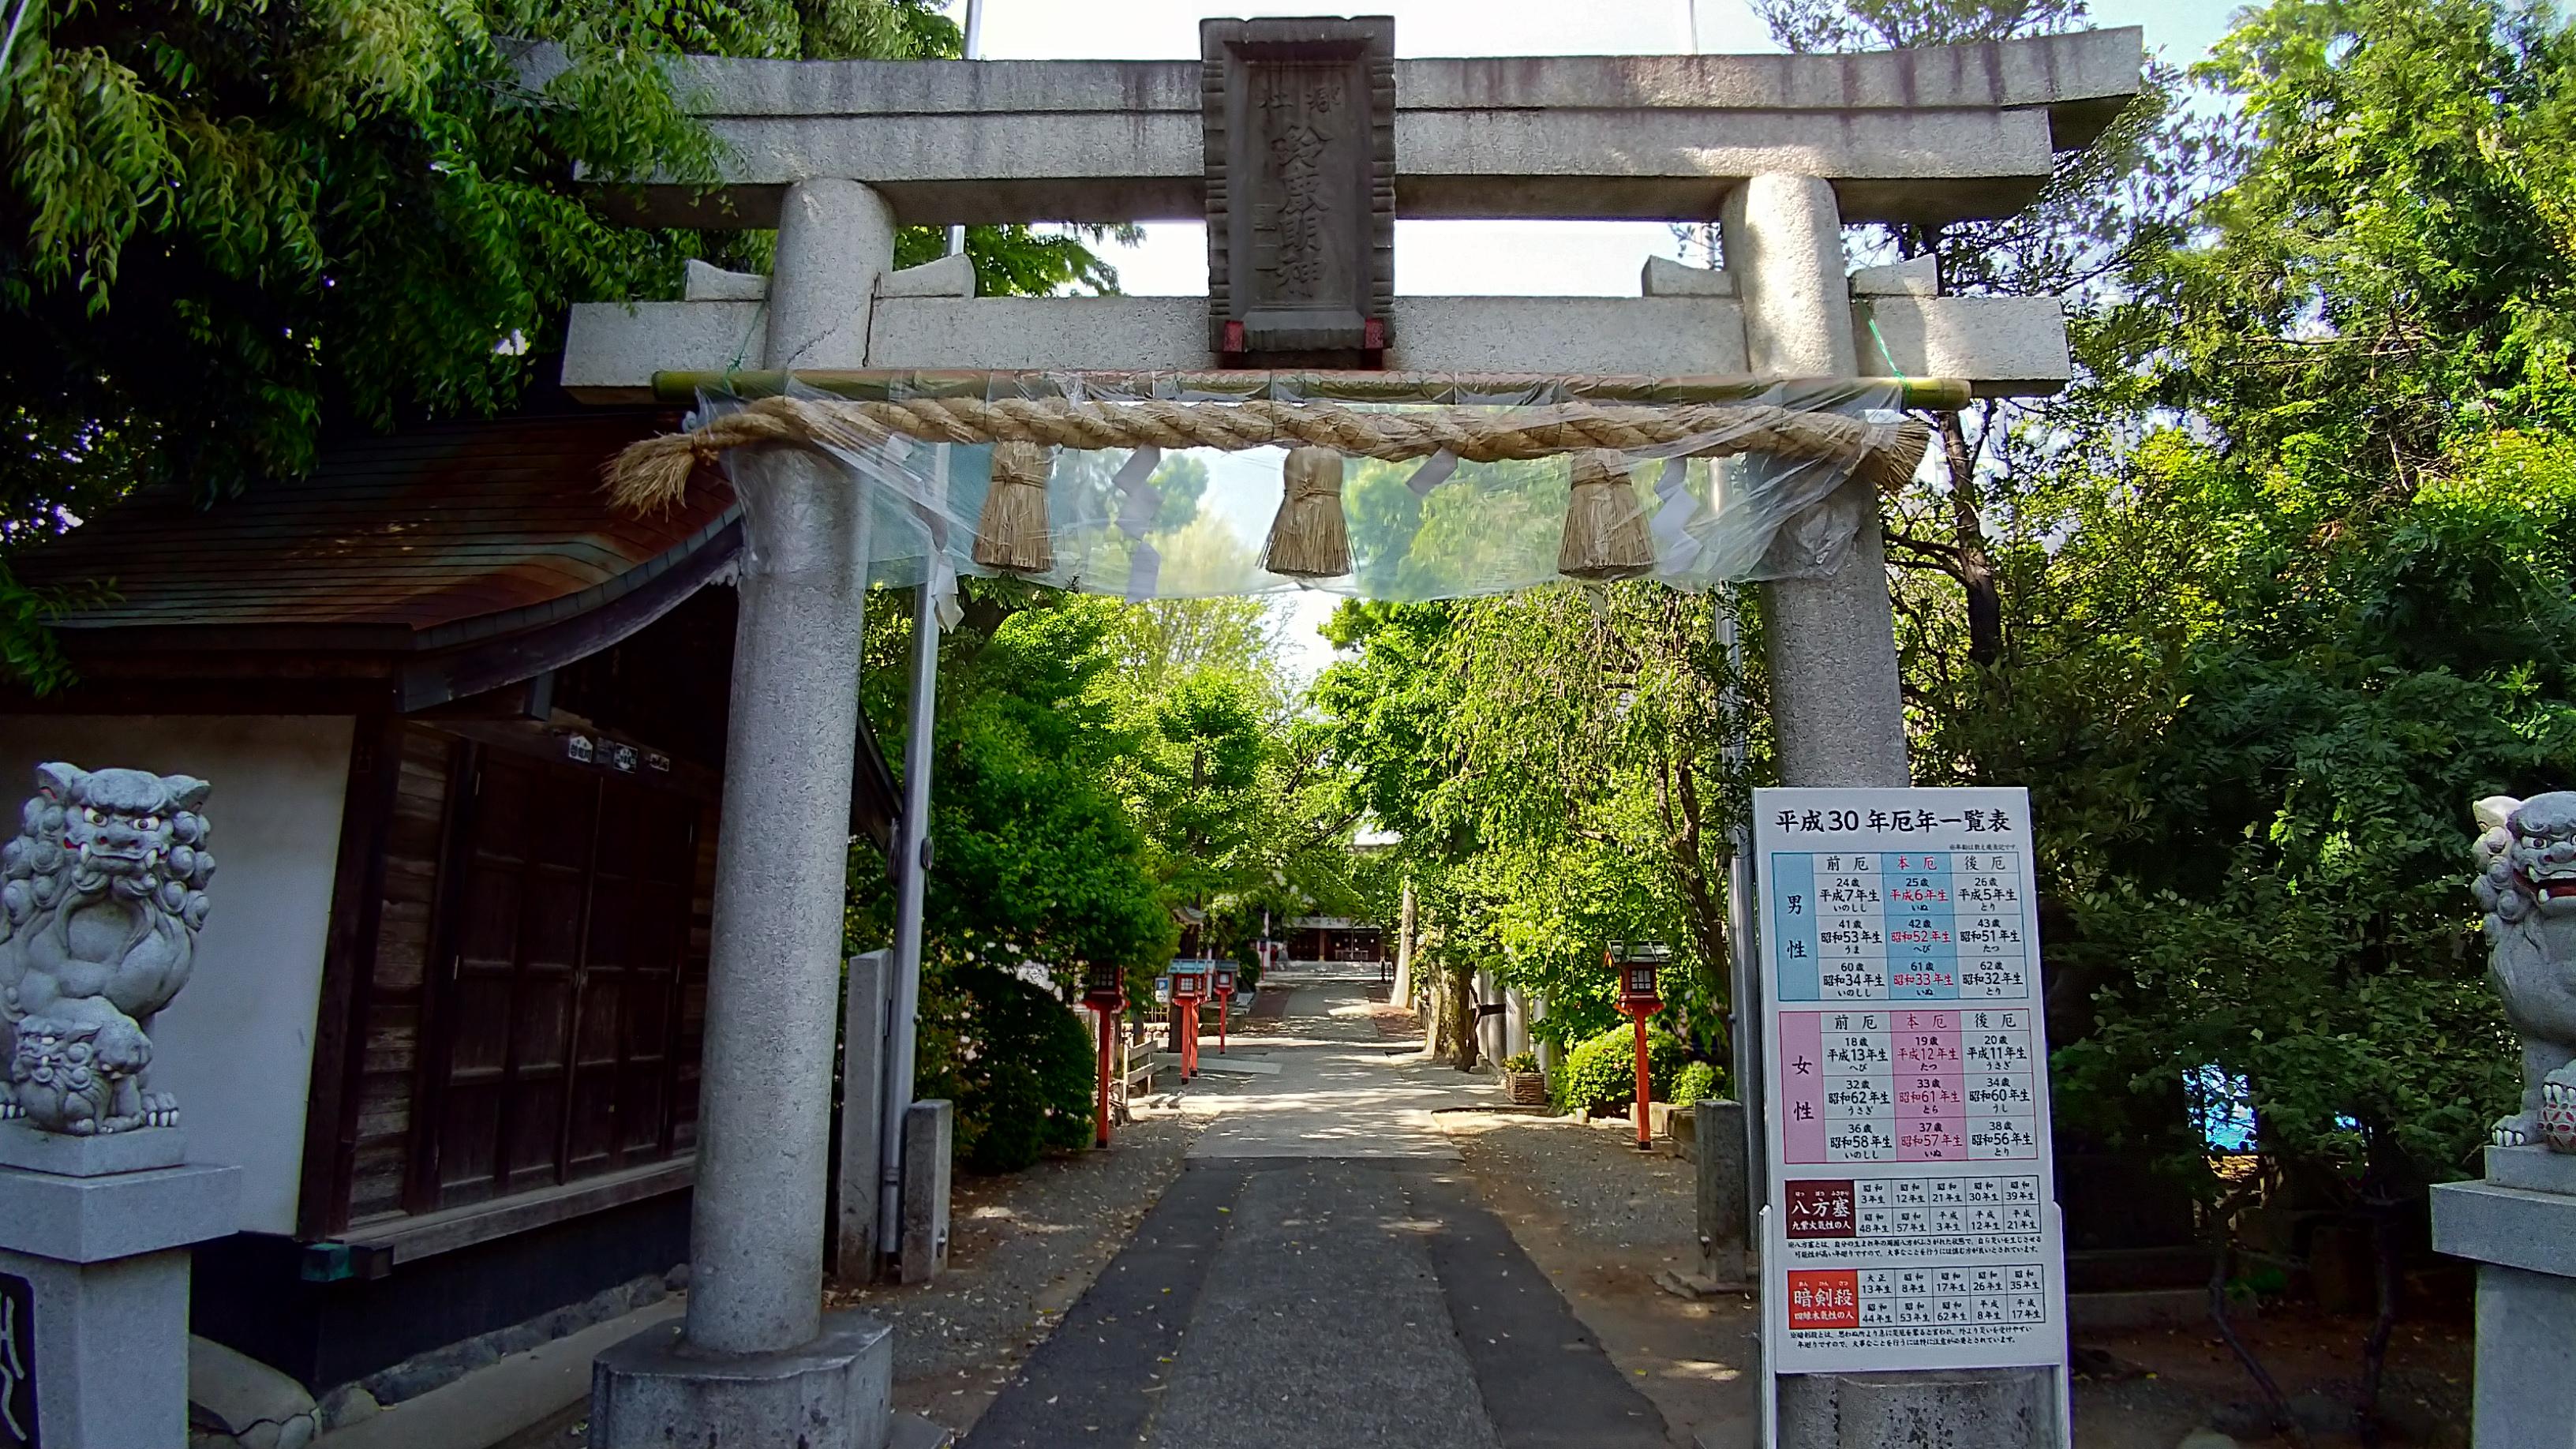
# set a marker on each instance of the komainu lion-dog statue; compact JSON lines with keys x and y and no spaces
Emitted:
{"x":2526,"y":856}
{"x":101,"y":896}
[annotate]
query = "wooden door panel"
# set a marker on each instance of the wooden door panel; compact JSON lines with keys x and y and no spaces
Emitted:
{"x":574,"y":938}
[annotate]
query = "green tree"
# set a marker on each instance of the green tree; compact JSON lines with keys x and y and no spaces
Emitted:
{"x":230,"y":228}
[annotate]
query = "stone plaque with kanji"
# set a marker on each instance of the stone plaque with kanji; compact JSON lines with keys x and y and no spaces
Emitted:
{"x":1300,"y":126}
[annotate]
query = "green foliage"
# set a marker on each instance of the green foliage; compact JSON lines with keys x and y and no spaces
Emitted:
{"x":2284,"y":583}
{"x":1696,"y":1082}
{"x":1559,"y":765}
{"x":1031,"y":846}
{"x":1014,"y":1059}
{"x":232,"y":227}
{"x":1521,"y":1062}
{"x":1601,"y":1072}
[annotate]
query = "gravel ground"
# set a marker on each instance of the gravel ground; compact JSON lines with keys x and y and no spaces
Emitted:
{"x":1021,"y":1250}
{"x":1610,"y":1193}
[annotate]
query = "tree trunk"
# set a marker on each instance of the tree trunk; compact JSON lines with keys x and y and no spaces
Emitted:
{"x":1462,"y":1018}
{"x":1968,"y":531}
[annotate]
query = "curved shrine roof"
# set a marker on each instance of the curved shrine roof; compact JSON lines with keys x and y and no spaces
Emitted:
{"x":436,"y":536}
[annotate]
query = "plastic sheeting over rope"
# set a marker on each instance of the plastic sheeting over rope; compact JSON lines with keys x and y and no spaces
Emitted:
{"x":1170,"y":485}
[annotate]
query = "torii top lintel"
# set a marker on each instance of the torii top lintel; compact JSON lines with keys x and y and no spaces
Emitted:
{"x":1929,"y":135}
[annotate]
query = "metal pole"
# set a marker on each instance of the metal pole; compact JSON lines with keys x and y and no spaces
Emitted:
{"x":913,"y":863}
{"x":1745,"y":976}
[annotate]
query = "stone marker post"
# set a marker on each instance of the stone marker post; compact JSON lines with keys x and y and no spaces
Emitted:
{"x":104,"y":894}
{"x":755,"y":1362}
{"x":1840,"y":719}
{"x":865,"y":1006}
{"x":1718,"y":1152}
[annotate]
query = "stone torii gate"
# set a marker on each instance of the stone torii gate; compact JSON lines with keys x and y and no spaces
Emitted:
{"x":1782,"y":151}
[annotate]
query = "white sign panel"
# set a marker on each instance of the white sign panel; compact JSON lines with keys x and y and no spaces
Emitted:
{"x":1912,"y":1220}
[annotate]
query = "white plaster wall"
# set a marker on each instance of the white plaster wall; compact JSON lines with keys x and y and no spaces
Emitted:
{"x":237,"y":1046}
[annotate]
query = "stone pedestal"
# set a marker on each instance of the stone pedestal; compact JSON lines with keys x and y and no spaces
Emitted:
{"x":2519,"y":1226}
{"x":836,"y":1389}
{"x":1959,"y":1409}
{"x":929,"y":1142}
{"x":1718,"y":1149}
{"x":94,"y":1301}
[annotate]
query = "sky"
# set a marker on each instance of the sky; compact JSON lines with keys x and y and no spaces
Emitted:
{"x":1475,"y":258}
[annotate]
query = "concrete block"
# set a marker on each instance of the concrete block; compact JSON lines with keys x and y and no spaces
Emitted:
{"x":259,"y":1407}
{"x":707,"y":282}
{"x":835,"y":1392}
{"x":2525,"y":1394}
{"x":141,"y":1150}
{"x":2003,"y":346}
{"x":2533,"y":1169}
{"x":1913,"y":277}
{"x":864,"y":1003}
{"x":1652,"y":336}
{"x":612,"y":349}
{"x":929,"y":1141}
{"x":1960,"y":1409}
{"x":1724,"y":1191}
{"x":110,"y":1343}
{"x":2512,"y":1226}
{"x":1927,"y":135}
{"x":949,"y":276}
{"x":94,"y":1219}
{"x":1665,"y":277}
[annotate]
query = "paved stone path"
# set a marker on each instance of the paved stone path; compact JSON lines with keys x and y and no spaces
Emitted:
{"x":1322,"y":1275}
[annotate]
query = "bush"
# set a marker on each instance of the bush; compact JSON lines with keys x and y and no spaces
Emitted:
{"x":1694,"y":1083}
{"x":1520,"y":1062}
{"x":1021,"y":1070}
{"x":1602,"y":1072}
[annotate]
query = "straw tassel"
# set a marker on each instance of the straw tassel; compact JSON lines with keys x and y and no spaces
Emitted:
{"x":1606,"y":534}
{"x":1011,"y":535}
{"x":1309,"y":540}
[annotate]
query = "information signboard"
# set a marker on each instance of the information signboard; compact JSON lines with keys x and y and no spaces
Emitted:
{"x":1911,"y":1221}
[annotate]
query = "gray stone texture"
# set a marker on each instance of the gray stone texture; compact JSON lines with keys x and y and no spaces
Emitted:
{"x":834,"y":238}
{"x":237,"y":1400}
{"x":1929,"y":135}
{"x":1967,"y":1409}
{"x":2525,"y":1396}
{"x":95,"y":1219}
{"x":111,"y":1343}
{"x":2533,"y":1169}
{"x":2512,"y":1226}
{"x":929,"y":1146}
{"x":773,"y":993}
{"x":139,"y":1150}
{"x":1717,"y":1145}
{"x":2001,"y":346}
{"x":1834,"y":695}
{"x":854,"y":1193}
{"x":832,"y":1392}
{"x":1664,"y":277}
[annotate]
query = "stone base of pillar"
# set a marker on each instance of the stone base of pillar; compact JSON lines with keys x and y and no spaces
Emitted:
{"x":98,"y":1311}
{"x":2519,"y":1226}
{"x":1961,"y":1409}
{"x":836,"y":1392}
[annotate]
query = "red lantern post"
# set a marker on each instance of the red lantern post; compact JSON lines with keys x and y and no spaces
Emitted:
{"x":1637,"y":997}
{"x":1107,"y":995}
{"x":1189,"y":988}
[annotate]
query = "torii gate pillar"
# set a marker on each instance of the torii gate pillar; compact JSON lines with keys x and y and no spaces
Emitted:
{"x":1840,"y":719}
{"x":756,"y":1361}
